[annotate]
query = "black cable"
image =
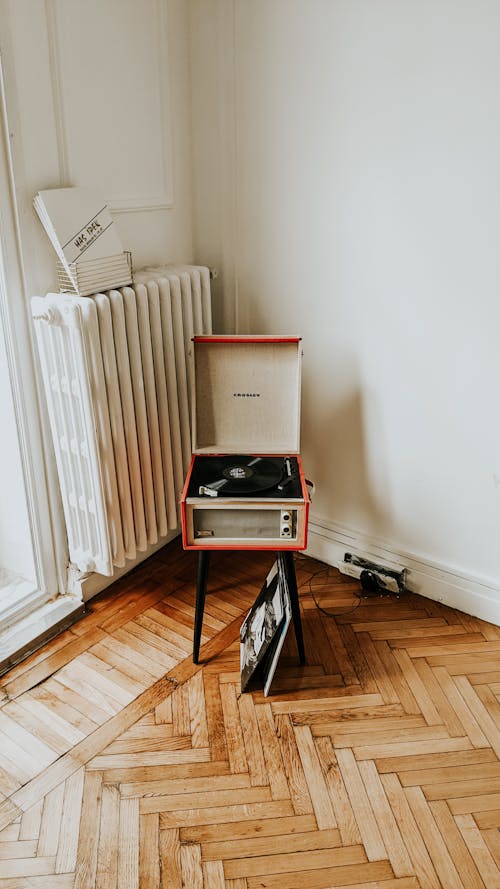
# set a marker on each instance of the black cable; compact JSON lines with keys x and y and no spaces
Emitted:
{"x":372,"y":594}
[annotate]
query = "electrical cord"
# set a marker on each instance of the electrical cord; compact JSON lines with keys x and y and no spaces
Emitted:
{"x":368,"y":582}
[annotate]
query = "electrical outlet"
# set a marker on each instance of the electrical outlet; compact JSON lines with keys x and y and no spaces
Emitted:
{"x":374,"y":576}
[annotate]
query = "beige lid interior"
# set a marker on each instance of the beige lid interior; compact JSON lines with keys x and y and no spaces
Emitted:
{"x":247,"y":397}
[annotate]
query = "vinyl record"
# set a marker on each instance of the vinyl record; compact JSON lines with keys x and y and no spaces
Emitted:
{"x":244,"y":474}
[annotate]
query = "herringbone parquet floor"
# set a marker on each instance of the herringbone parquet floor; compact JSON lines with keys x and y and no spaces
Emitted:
{"x":375,"y":766}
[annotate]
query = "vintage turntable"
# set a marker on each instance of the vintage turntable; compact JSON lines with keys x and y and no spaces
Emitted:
{"x":245,"y":488}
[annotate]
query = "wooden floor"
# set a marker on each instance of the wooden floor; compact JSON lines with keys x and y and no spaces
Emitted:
{"x":125,"y":766}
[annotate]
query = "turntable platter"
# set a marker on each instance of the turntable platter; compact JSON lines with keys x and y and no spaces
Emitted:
{"x":242,"y":474}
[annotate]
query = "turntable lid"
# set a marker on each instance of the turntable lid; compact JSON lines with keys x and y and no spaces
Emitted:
{"x":246,"y":395}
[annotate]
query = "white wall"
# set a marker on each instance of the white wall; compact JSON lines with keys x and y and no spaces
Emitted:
{"x":363,"y":139}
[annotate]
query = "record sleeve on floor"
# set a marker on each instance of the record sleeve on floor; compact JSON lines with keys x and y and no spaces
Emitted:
{"x":264,"y":629}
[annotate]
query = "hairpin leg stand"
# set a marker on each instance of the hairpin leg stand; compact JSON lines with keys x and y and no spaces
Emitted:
{"x":294,"y":601}
{"x":201,"y":589}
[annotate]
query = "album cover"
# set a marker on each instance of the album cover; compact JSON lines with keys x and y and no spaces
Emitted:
{"x":264,"y":629}
{"x":272,"y":655}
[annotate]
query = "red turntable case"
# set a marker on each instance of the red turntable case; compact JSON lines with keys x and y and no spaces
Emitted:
{"x":245,"y":488}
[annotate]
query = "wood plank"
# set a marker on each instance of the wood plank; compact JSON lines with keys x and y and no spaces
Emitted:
{"x":381,"y":676}
{"x":68,"y":837}
{"x":181,"y":716}
{"x":215,"y":719}
{"x":425,"y":734}
{"x":441,"y":858}
{"x":272,"y":753}
{"x":414,"y":646}
{"x":201,"y":799}
{"x":367,"y":824}
{"x":446,"y":775}
{"x":339,"y":798}
{"x":435,"y":761}
{"x":53,"y":881}
{"x":379,"y":729}
{"x":199,"y":727}
{"x":170,"y":858}
{"x":213,"y":875}
{"x":149,"y":851}
{"x":371,"y":875}
{"x":469,"y":787}
{"x":456,"y":846}
{"x":418,"y":688}
{"x":380,"y":751}
{"x":86,"y":858}
{"x":360,"y":664}
{"x":29,"y":824}
{"x":321,"y":802}
{"x":449,"y":716}
{"x":458,"y":648}
{"x":388,"y":826}
{"x":417,"y":850}
{"x":335,"y":859}
{"x":479,"y":711}
{"x":282,"y":844}
{"x":128,"y":844}
{"x":226,"y":814}
{"x":487,"y":820}
{"x":109,"y":827}
{"x":181,"y":752}
{"x":196,"y":785}
{"x":17,"y":868}
{"x":457,"y":701}
{"x":191,"y":867}
{"x":247,"y":830}
{"x":18,"y":849}
{"x":299,"y":791}
{"x":141,"y":773}
{"x":50,"y":825}
{"x":337,"y":702}
{"x":252,"y":741}
{"x":486,"y":866}
{"x":465,"y":805}
{"x":233,"y":729}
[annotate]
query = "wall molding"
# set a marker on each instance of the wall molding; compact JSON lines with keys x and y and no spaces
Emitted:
{"x":478,"y":596}
{"x":125,"y":202}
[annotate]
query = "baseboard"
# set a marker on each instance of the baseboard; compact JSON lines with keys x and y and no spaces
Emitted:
{"x":37,"y":628}
{"x":477,"y":596}
{"x":86,"y":586}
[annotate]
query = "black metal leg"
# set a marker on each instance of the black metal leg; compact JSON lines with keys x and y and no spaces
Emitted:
{"x":201,"y":588}
{"x":294,"y":600}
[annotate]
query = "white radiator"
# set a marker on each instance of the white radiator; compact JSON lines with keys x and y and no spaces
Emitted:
{"x":115,"y":374}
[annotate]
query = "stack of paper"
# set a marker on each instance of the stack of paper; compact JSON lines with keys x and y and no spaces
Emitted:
{"x":95,"y":275}
{"x":84,"y":236}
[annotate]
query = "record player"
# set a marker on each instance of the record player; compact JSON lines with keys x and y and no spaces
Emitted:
{"x":245,"y":488}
